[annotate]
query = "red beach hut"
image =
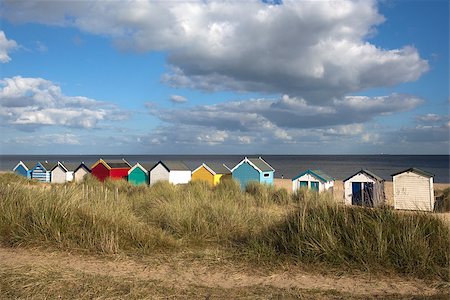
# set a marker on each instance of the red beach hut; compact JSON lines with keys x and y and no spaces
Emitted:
{"x":112,"y":168}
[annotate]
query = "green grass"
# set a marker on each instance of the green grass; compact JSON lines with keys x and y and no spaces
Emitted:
{"x":261,"y":224}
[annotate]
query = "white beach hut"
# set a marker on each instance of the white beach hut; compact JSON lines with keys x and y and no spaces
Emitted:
{"x":314,"y":180}
{"x":364,"y":188}
{"x":413,"y":190}
{"x":81,"y":171}
{"x":62,"y":172}
{"x":175,"y":172}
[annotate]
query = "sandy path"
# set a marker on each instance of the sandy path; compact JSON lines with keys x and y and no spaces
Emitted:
{"x":179,"y":271}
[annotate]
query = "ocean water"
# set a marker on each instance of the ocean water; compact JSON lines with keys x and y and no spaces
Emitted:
{"x":286,"y":166}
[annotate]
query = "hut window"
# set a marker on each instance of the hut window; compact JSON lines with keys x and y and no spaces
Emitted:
{"x":266,"y":175}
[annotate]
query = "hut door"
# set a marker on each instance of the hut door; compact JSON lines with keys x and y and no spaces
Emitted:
{"x":315,"y":186}
{"x":356,"y":193}
{"x":368,"y":194}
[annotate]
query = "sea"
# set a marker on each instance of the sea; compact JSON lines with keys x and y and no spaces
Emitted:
{"x":286,"y":166}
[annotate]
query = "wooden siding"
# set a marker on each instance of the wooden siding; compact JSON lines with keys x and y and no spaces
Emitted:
{"x":79,"y":174}
{"x":100,"y":171}
{"x":158,"y":173}
{"x":202,"y":174}
{"x":413,"y":192}
{"x":323,"y":186}
{"x":20,"y":170}
{"x":378,"y":188}
{"x":119,"y":173}
{"x":39,"y":173}
{"x":180,"y":177}
{"x":138,"y":177}
{"x":266,"y":177}
{"x":58,"y":175}
{"x":245,"y":173}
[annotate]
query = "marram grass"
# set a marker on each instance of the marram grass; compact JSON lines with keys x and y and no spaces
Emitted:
{"x":261,"y":223}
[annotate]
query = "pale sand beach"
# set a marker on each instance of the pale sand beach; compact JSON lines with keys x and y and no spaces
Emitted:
{"x":338,"y":191}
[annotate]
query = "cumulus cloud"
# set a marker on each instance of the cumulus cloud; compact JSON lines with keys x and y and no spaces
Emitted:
{"x":315,"y":50}
{"x":287,"y":112}
{"x":38,"y":102}
{"x":286,"y":120}
{"x":6,"y":46}
{"x":47,"y":139}
{"x":178,"y":99}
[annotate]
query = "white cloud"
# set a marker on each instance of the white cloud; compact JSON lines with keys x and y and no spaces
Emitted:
{"x":47,"y":139}
{"x":429,"y":118}
{"x":315,"y":50}
{"x":6,"y":46}
{"x":178,"y":99}
{"x":38,"y":102}
{"x":277,"y":121}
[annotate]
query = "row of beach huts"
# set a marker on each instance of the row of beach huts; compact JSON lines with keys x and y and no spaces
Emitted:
{"x":413,"y":188}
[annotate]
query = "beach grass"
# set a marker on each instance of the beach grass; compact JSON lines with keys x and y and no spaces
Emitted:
{"x":261,"y":224}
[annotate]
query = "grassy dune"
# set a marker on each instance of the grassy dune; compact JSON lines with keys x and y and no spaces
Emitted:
{"x":260,"y":224}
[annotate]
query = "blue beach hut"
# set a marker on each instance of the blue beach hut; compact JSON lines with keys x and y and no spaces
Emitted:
{"x":42,"y":171}
{"x":24,"y":168}
{"x":253,"y":169}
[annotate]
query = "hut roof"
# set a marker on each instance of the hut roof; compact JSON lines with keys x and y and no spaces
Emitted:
{"x":27,"y":164}
{"x":367,"y":172}
{"x":173,"y":165}
{"x":322,"y":176}
{"x":48,"y":166}
{"x":215,"y":168}
{"x":82,"y":165}
{"x":415,"y":170}
{"x":257,"y":162}
{"x":117,"y":163}
{"x":69,"y":167}
{"x":145,"y":166}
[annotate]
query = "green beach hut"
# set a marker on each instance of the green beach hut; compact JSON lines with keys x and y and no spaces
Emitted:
{"x":139,"y":174}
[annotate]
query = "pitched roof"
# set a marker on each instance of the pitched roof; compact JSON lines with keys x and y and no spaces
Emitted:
{"x":173,"y":165}
{"x":215,"y":168}
{"x":146,"y":166}
{"x":257,"y":162}
{"x":27,"y":164}
{"x":367,"y":172}
{"x":71,"y":167}
{"x":316,"y":173}
{"x":415,"y":170}
{"x":48,"y":166}
{"x":117,"y":163}
{"x":82,"y":165}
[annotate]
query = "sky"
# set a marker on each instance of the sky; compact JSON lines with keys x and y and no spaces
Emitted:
{"x":224,"y":77}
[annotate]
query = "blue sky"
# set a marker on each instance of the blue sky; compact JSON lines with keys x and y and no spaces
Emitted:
{"x":211,"y":77}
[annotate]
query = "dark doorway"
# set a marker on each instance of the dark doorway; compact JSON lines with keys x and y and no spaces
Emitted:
{"x":356,"y":193}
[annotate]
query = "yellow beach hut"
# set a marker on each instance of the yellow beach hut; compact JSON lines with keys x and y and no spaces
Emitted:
{"x":211,"y":173}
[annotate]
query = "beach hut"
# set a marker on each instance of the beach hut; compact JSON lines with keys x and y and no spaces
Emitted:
{"x":62,"y":172}
{"x":110,"y":168}
{"x":314,"y":180}
{"x":81,"y":171}
{"x":42,"y":171}
{"x":24,"y":168}
{"x":413,"y":190}
{"x":175,"y":172}
{"x":364,"y":189}
{"x":211,"y":173}
{"x":253,"y":169}
{"x":139,"y":174}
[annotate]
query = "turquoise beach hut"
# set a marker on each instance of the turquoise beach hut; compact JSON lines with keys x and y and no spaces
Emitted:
{"x":253,"y":169}
{"x":42,"y":171}
{"x":140,"y":174}
{"x":24,"y":168}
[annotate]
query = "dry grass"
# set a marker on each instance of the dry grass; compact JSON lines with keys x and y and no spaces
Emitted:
{"x":263,"y":224}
